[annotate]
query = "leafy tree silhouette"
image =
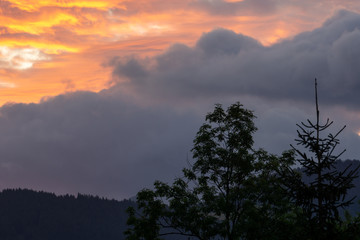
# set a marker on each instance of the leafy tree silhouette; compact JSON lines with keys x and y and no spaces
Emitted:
{"x":231,"y":191}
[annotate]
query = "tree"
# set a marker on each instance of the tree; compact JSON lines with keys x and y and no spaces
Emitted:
{"x":325,"y":194}
{"x":231,"y":191}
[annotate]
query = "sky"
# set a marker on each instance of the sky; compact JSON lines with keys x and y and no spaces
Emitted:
{"x":105,"y":97}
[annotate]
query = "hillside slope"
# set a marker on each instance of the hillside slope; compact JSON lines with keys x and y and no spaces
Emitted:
{"x":27,"y":214}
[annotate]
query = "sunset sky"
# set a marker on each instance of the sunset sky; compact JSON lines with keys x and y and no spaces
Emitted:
{"x":49,"y":47}
{"x":104,"y":97}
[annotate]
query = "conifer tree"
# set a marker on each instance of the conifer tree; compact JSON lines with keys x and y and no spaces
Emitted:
{"x":326,"y":193}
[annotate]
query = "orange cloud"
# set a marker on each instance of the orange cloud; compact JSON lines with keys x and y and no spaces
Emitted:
{"x":35,"y":5}
{"x":50,"y":42}
{"x":45,"y":46}
{"x":39,"y":26}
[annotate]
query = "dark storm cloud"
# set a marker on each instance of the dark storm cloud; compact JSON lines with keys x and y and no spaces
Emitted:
{"x":91,"y":143}
{"x":226,"y":63}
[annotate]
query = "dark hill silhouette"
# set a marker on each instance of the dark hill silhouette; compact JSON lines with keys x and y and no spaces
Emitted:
{"x":27,"y":215}
{"x":353,"y":209}
{"x":354,"y":192}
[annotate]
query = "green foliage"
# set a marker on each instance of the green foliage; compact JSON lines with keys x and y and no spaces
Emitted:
{"x":349,"y":227}
{"x":231,"y":191}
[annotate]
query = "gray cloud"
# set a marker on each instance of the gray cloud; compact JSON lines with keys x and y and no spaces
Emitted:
{"x":225,"y":42}
{"x":115,"y":142}
{"x":91,"y":143}
{"x":225,"y":63}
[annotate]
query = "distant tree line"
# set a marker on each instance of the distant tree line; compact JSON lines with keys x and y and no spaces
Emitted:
{"x":31,"y":215}
{"x":233,"y":191}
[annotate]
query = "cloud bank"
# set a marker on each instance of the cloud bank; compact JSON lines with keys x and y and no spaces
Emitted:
{"x":117,"y":141}
{"x":225,"y":63}
{"x":90,"y":143}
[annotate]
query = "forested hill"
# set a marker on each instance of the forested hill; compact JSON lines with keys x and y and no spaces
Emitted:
{"x":354,"y":209}
{"x":27,"y":215}
{"x":30,"y":215}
